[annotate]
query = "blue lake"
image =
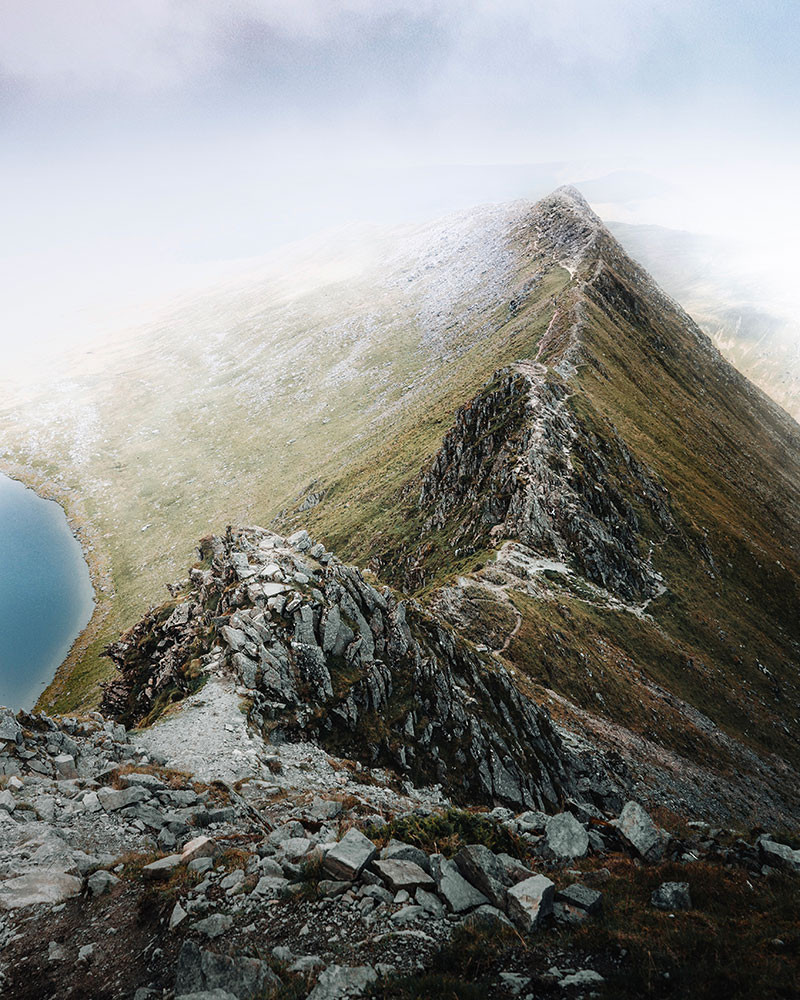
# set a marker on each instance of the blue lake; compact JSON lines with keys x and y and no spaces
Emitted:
{"x":46,"y":595}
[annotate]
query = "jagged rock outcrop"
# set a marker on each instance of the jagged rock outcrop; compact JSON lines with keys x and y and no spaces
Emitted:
{"x":520,"y":463}
{"x":325,"y":655}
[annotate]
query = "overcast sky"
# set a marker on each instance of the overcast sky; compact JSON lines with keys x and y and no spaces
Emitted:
{"x":143,"y":141}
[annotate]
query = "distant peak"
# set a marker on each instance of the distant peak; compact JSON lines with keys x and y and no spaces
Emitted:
{"x":569,"y":193}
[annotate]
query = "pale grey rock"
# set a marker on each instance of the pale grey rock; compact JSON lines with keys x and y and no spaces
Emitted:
{"x":671,"y":896}
{"x":38,"y":887}
{"x":565,"y":836}
{"x":270,"y":886}
{"x":399,"y":874}
{"x":780,"y":855}
{"x":111,"y":799}
{"x":7,"y":801}
{"x":458,"y":895}
{"x":638,"y":829}
{"x":430,"y":902}
{"x":200,"y":970}
{"x":408,"y":915}
{"x":177,"y":916}
{"x":339,"y":981}
{"x":65,"y":765}
{"x":487,"y":916}
{"x":582,"y":897}
{"x":582,"y":978}
{"x":529,"y":902}
{"x":483,"y":869}
{"x":10,"y":729}
{"x":350,"y":856}
{"x":214,"y":925}
{"x":161,"y":870}
{"x":100,"y":882}
{"x":397,"y":850}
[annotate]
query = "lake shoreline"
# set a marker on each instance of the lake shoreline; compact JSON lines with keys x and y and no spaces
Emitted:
{"x":97,"y":561}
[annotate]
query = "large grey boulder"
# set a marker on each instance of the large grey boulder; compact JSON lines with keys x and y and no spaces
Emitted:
{"x":403,"y":874}
{"x":111,"y":800}
{"x":340,"y":981}
{"x":396,"y":849}
{"x":636,"y":827}
{"x":161,"y":870}
{"x":10,"y":729}
{"x":529,"y":902}
{"x":672,"y":896}
{"x":199,"y":970}
{"x":38,"y":887}
{"x":100,"y":882}
{"x":213,"y":926}
{"x":780,"y":855}
{"x":458,"y":894}
{"x":350,"y":856}
{"x":7,"y":801}
{"x":565,"y":836}
{"x":581,"y":897}
{"x":483,"y":869}
{"x":65,"y":765}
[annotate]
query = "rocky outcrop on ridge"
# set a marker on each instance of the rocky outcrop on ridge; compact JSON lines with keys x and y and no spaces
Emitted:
{"x":324,"y":655}
{"x":121,"y":877}
{"x":519,"y":463}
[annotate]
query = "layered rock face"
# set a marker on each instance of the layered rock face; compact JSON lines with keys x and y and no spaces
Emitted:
{"x":519,"y":464}
{"x":325,"y":655}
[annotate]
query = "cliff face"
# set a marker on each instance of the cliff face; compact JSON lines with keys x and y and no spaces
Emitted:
{"x":323,"y":654}
{"x":617,"y":515}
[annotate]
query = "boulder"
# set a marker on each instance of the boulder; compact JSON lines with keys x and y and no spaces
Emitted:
{"x":565,"y":836}
{"x":7,"y":801}
{"x":101,"y":882}
{"x":200,"y":971}
{"x":397,"y":850}
{"x":458,"y":894}
{"x":339,"y":981}
{"x":10,"y":729}
{"x":65,"y":765}
{"x":779,"y":855}
{"x":529,"y":902}
{"x":213,"y":926}
{"x":38,"y":887}
{"x":350,"y":856}
{"x":581,"y":897}
{"x":111,"y":800}
{"x":672,"y":896}
{"x":199,"y":847}
{"x":161,"y":870}
{"x":402,"y":874}
{"x":582,"y":978}
{"x":638,"y":830}
{"x":483,"y":869}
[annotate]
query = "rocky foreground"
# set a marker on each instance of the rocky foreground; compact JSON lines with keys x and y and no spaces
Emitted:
{"x":316,"y":876}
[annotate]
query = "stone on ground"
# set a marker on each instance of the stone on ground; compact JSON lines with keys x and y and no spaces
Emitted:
{"x":529,"y":902}
{"x":350,"y":856}
{"x":672,"y":896}
{"x":565,"y":836}
{"x":636,"y":827}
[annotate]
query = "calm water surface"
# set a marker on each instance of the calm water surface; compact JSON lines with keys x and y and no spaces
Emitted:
{"x":46,"y":595}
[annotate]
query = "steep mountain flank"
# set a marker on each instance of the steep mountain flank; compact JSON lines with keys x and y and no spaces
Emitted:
{"x":618,"y":516}
{"x":324,"y":655}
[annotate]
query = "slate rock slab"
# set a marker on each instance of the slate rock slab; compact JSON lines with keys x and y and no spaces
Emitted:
{"x":350,"y":856}
{"x":672,"y":896}
{"x":529,"y":902}
{"x":566,"y":837}
{"x":38,"y":887}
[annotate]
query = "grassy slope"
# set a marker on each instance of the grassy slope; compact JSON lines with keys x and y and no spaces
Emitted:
{"x":230,"y":408}
{"x":726,"y":636}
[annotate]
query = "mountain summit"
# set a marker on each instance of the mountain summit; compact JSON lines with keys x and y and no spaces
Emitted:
{"x":526,"y":599}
